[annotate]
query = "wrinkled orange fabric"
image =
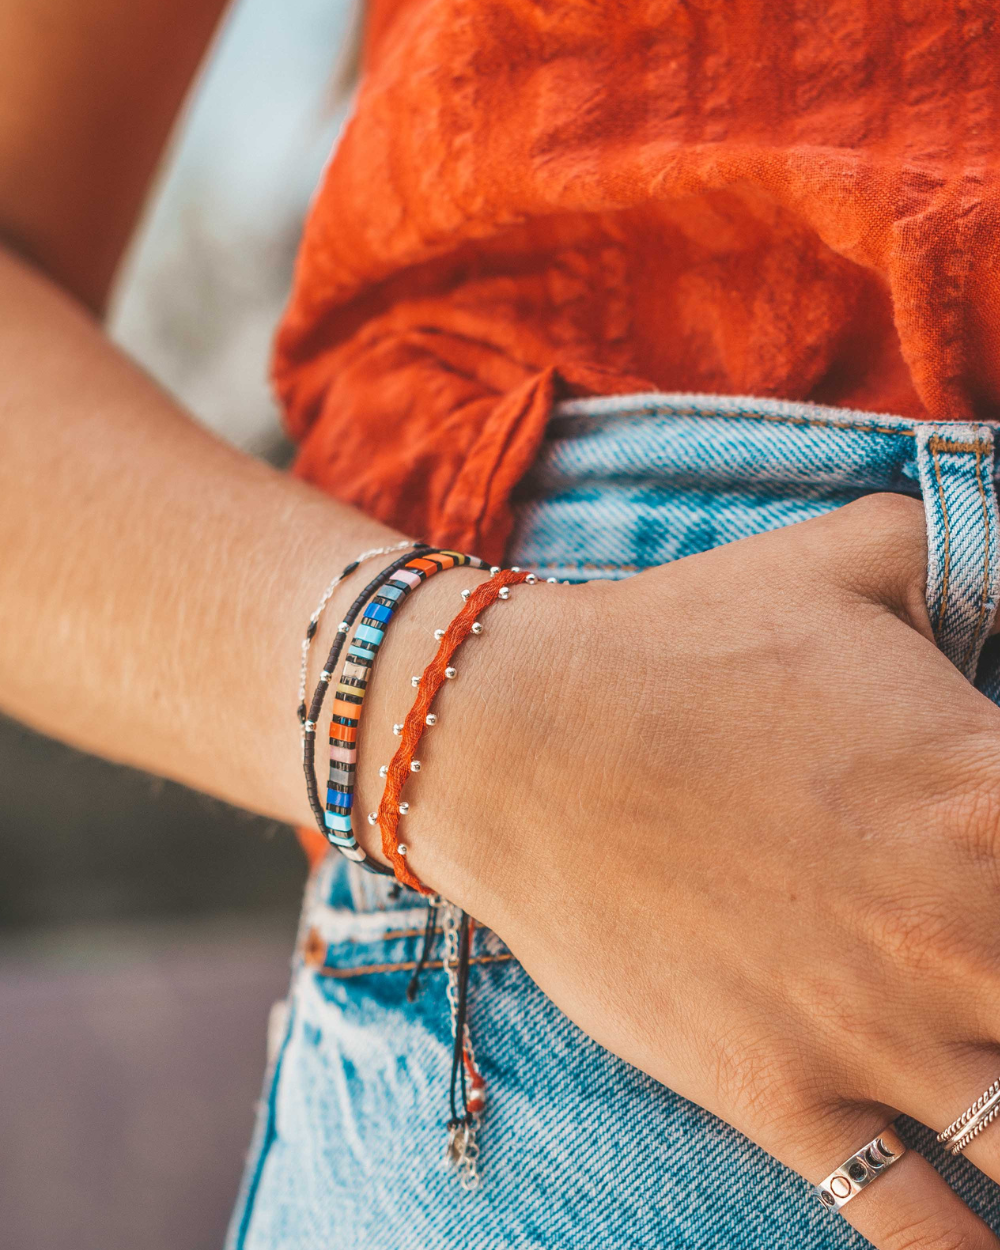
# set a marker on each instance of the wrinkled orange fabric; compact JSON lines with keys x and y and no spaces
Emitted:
{"x":533,"y":199}
{"x":536,"y":199}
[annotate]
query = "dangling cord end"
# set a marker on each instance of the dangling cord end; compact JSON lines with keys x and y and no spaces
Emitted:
{"x":463,"y":1151}
{"x":413,"y":989}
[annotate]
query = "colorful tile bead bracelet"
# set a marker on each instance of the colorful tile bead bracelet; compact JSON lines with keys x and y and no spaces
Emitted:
{"x":319,"y":695}
{"x":349,"y":696}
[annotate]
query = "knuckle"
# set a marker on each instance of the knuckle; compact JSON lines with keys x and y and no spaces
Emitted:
{"x":761,"y":1085}
{"x":925,"y":934}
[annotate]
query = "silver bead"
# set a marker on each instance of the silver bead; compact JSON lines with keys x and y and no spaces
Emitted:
{"x":477,"y":627}
{"x":495,"y":569}
{"x":450,"y":673}
{"x":431,"y":718}
{"x":384,"y":771}
{"x":515,"y":568}
{"x":439,"y":634}
{"x":397,"y":730}
{"x":466,"y":593}
{"x":552,"y":581}
{"x":343,"y":627}
{"x":530,"y":579}
{"x":414,"y":766}
{"x":373,"y":818}
{"x":403,"y":849}
{"x":403,"y":808}
{"x":309,"y":726}
{"x":504,"y":592}
{"x":325,"y":675}
{"x":414,"y":681}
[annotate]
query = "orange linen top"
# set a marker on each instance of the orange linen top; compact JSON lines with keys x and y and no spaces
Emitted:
{"x":538,"y":199}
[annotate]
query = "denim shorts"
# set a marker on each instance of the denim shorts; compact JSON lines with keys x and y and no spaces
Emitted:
{"x":579,"y":1151}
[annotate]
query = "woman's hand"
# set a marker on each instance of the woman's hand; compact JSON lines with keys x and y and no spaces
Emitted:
{"x":739,"y":818}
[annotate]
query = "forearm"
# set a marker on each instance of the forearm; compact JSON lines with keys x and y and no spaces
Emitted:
{"x":155,"y":583}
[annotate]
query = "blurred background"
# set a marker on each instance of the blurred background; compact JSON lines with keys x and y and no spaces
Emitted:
{"x":146,"y":930}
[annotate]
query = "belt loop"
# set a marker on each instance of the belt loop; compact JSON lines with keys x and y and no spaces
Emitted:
{"x":955,"y":464}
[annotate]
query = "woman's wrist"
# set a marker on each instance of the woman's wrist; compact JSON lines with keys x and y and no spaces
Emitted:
{"x":472,"y":791}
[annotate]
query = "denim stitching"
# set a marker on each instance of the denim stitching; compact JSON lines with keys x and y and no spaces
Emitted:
{"x":816,"y":422}
{"x":935,"y":450}
{"x":973,"y":642}
{"x":405,"y":965}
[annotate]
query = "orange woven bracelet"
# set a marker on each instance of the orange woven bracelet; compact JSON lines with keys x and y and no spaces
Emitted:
{"x":420,"y":716}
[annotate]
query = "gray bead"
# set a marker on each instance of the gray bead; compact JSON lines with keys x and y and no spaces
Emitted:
{"x":530,"y":579}
{"x":495,"y":569}
{"x":414,"y":681}
{"x":439,"y":634}
{"x":403,"y":808}
{"x":504,"y":592}
{"x":397,"y":730}
{"x":414,"y":766}
{"x":451,"y":672}
{"x":552,"y":581}
{"x":384,"y":771}
{"x":466,"y":593}
{"x":343,"y":627}
{"x":309,"y":726}
{"x":403,"y":848}
{"x":431,"y":718}
{"x":477,"y":627}
{"x":373,"y":818}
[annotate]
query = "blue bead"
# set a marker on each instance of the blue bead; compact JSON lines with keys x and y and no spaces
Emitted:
{"x":334,"y":820}
{"x":369,"y":634}
{"x":337,"y":798}
{"x":377,"y":612}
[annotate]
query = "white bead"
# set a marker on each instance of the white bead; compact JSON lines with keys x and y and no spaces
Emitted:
{"x":431,"y":718}
{"x":343,"y":627}
{"x":495,"y":569}
{"x":414,"y":681}
{"x":477,"y":627}
{"x":530,"y":579}
{"x":451,"y":672}
{"x":552,"y":581}
{"x":466,"y":593}
{"x":384,"y":771}
{"x":439,"y":634}
{"x":310,"y":726}
{"x":325,"y":676}
{"x":403,"y":848}
{"x":504,"y":592}
{"x":397,"y":730}
{"x":515,"y":568}
{"x":373,"y":818}
{"x":414,"y":766}
{"x":403,"y":808}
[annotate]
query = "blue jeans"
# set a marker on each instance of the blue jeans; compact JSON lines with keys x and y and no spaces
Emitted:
{"x":579,"y":1151}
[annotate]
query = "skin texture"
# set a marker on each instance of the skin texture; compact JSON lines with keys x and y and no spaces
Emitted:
{"x":757,"y":858}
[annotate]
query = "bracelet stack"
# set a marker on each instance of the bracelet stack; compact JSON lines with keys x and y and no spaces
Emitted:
{"x":377,"y":606}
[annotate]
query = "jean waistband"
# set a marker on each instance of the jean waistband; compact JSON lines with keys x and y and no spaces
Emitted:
{"x":629,"y":481}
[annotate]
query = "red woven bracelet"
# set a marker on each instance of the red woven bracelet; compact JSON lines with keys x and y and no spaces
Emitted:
{"x":432,"y":679}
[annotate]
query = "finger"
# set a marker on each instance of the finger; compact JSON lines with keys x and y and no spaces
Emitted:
{"x":909,"y":1206}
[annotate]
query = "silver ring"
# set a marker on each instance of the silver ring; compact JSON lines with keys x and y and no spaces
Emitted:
{"x":858,"y":1172}
{"x":971,"y":1123}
